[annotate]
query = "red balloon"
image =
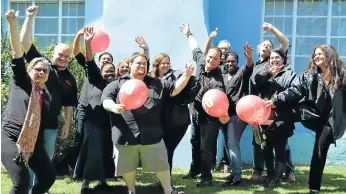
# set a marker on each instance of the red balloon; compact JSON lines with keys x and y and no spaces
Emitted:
{"x":100,"y":41}
{"x":215,"y":103}
{"x":252,"y":109}
{"x":133,"y":94}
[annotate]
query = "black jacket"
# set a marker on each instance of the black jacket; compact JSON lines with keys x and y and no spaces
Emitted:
{"x":176,"y":110}
{"x":272,"y":85}
{"x":330,"y":106}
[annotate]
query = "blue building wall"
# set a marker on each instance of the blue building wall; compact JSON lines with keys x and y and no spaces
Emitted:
{"x":158,"y":23}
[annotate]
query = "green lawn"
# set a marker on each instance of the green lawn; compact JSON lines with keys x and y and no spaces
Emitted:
{"x":334,"y":181}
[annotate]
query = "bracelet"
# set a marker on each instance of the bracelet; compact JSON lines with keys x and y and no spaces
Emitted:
{"x":189,"y":34}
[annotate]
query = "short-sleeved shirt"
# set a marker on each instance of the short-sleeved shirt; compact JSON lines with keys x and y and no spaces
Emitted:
{"x":63,"y":88}
{"x":207,"y":80}
{"x":18,"y":101}
{"x":142,"y":125}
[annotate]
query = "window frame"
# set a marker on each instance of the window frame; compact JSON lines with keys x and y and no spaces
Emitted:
{"x":294,"y":36}
{"x":60,"y":17}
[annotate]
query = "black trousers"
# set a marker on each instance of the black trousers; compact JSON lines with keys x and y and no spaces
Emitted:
{"x":323,"y":139}
{"x":19,"y":173}
{"x":203,"y":140}
{"x":259,"y":161}
{"x":172,"y":139}
{"x":276,"y":142}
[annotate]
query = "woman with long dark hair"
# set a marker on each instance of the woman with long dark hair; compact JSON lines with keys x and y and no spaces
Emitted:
{"x":177,"y":117}
{"x":323,"y":84}
{"x":22,"y":126}
{"x":95,"y":160}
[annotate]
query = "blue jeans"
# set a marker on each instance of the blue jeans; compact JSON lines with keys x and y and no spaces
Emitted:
{"x":235,"y":129}
{"x":220,"y":147}
{"x":49,"y":145}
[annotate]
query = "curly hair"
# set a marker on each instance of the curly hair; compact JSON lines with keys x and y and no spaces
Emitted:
{"x":336,"y":68}
{"x":157,"y":60}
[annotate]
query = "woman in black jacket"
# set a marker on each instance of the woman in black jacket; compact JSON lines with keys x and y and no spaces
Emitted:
{"x":324,"y":84}
{"x":280,"y":126}
{"x":177,"y":116}
{"x":22,"y":124}
{"x":95,"y":160}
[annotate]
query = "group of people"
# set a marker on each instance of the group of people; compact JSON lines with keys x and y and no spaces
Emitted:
{"x":115,"y":140}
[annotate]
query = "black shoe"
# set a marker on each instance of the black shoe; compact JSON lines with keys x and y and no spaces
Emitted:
{"x":191,"y":175}
{"x":232,"y":182}
{"x":274,"y":183}
{"x":86,"y":190}
{"x":103,"y":187}
{"x":204,"y":183}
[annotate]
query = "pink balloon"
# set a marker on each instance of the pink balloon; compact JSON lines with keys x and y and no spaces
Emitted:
{"x":133,"y":94}
{"x":252,"y":109}
{"x":215,"y":103}
{"x":100,"y":42}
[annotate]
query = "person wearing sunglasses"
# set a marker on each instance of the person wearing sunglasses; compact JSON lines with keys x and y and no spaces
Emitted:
{"x":22,"y":129}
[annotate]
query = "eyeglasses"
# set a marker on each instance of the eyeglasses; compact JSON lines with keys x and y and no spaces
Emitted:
{"x":44,"y":70}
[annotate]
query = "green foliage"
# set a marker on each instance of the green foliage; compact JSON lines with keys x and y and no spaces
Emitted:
{"x":6,"y":76}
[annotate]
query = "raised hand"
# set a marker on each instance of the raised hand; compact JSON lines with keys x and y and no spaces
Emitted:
{"x":185,"y":28}
{"x":213,"y":34}
{"x":81,"y":32}
{"x":12,"y":17}
{"x":266,"y":27}
{"x":247,"y":50}
{"x":88,"y":34}
{"x":142,"y":43}
{"x":189,"y":69}
{"x":32,"y":11}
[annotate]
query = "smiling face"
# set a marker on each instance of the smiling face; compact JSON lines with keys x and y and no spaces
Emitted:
{"x":138,"y":67}
{"x":61,"y":55}
{"x":231,"y":62}
{"x":213,"y":59}
{"x":108,"y":72}
{"x":319,"y":58}
{"x":105,"y":58}
{"x":123,"y":68}
{"x":164,"y":66}
{"x":264,"y":48}
{"x":39,"y":72}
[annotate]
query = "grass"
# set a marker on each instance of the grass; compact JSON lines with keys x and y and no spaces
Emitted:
{"x":334,"y":181}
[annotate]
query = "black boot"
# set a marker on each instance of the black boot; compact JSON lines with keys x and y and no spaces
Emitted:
{"x":279,"y":169}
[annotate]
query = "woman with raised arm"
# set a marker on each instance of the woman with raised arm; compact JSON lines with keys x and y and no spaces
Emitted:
{"x":22,"y":131}
{"x":261,"y":66}
{"x":324,"y":85}
{"x":95,"y":160}
{"x":176,"y":113}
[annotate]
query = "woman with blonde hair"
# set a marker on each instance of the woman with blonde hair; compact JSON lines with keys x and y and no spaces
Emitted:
{"x":122,"y":68}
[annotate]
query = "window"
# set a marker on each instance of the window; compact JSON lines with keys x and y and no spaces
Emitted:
{"x":307,"y":23}
{"x":56,"y":20}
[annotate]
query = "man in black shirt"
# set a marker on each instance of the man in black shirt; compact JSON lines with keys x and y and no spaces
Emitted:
{"x":205,"y":126}
{"x":138,"y":133}
{"x":61,"y":83}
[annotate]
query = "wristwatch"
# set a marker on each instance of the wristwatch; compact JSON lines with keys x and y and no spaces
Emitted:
{"x":189,"y":34}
